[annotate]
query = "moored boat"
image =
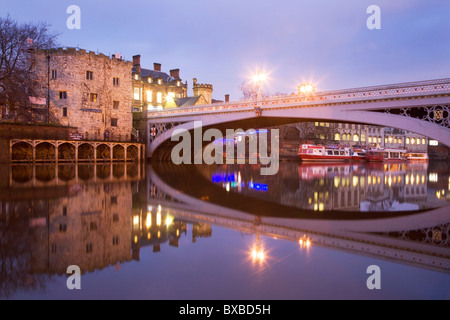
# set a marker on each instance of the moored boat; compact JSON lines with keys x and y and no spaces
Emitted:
{"x":358,"y":154}
{"x":311,"y":152}
{"x":375,"y":155}
{"x":417,"y":156}
{"x":386,"y":155}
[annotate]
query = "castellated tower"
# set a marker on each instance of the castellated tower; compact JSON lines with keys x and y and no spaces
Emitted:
{"x":88,"y":91}
{"x":204,"y":91}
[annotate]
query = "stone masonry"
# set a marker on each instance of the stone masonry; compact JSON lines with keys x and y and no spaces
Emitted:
{"x":89,"y":91}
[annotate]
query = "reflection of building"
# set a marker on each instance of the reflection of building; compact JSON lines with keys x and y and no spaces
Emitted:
{"x":153,"y":227}
{"x":87,"y":226}
{"x":90,"y":230}
{"x":201,"y":230}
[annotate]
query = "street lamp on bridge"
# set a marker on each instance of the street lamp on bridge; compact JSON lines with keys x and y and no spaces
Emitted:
{"x":306,"y":88}
{"x":258,"y":79}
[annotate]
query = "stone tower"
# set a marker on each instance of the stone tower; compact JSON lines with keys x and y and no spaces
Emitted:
{"x":203,"y":90}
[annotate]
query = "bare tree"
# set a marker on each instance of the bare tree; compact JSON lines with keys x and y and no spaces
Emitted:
{"x":250,"y":91}
{"x":18,"y":42}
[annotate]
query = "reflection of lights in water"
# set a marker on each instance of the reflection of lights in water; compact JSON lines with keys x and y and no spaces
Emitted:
{"x":258,"y":255}
{"x":169,"y":221}
{"x":407,"y":179}
{"x":148,"y":222}
{"x":135,"y":239}
{"x":304,"y":242}
{"x":136,"y":220}
{"x":149,"y":236}
{"x":433,"y":177}
{"x":158,"y":219}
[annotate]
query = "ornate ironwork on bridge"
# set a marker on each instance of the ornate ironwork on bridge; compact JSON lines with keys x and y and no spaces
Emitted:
{"x":438,"y":114}
{"x":156,"y":129}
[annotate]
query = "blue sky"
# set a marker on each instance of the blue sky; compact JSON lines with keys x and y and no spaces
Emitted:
{"x":224,"y":42}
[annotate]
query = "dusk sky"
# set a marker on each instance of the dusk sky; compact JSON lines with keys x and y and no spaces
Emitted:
{"x":223,"y":42}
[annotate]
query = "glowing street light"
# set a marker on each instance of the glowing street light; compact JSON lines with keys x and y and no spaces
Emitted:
{"x":259,"y":78}
{"x":306,"y":88}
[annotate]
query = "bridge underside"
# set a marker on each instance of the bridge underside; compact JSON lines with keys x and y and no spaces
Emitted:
{"x":161,"y":150}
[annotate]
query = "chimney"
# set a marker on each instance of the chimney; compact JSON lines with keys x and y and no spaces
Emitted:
{"x":175,"y":73}
{"x":157,"y":66}
{"x":137,"y":63}
{"x":227,"y":98}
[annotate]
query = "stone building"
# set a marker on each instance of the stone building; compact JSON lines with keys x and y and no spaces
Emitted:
{"x":155,"y":89}
{"x":88,"y":91}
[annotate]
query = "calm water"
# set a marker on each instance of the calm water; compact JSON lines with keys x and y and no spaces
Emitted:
{"x":225,"y":232}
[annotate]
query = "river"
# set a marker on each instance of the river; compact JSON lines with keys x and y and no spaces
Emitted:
{"x":162,"y":231}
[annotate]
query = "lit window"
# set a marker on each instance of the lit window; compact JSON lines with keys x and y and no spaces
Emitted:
{"x":400,"y":140}
{"x":424,"y":141}
{"x":149,"y":95}
{"x":93,"y":97}
{"x":159,"y":81}
{"x":171,"y":94}
{"x":136,"y":94}
{"x":395,"y":140}
{"x":149,"y":80}
{"x":433,"y":142}
{"x":363,"y":137}
{"x":159,"y":97}
{"x":370,"y":139}
{"x":355,"y":138}
{"x":178,"y":83}
{"x":413,"y":141}
{"x":408,"y":141}
{"x":136,"y":77}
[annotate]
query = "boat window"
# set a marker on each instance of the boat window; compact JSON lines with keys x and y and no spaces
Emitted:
{"x":342,"y":153}
{"x":336,"y":153}
{"x":330,"y":152}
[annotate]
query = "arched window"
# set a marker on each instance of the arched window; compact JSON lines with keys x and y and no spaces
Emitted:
{"x":337,"y":136}
{"x":355,"y":138}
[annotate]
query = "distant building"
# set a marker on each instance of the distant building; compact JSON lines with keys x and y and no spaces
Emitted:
{"x":155,"y":89}
{"x":363,"y":135}
{"x":88,"y":91}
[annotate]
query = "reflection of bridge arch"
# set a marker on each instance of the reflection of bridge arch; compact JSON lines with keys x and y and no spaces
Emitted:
{"x":366,"y":236}
{"x":420,"y":107}
{"x":74,"y":151}
{"x":44,"y":174}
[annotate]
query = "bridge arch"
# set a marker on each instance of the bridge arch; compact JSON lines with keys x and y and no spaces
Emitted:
{"x":420,"y":107}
